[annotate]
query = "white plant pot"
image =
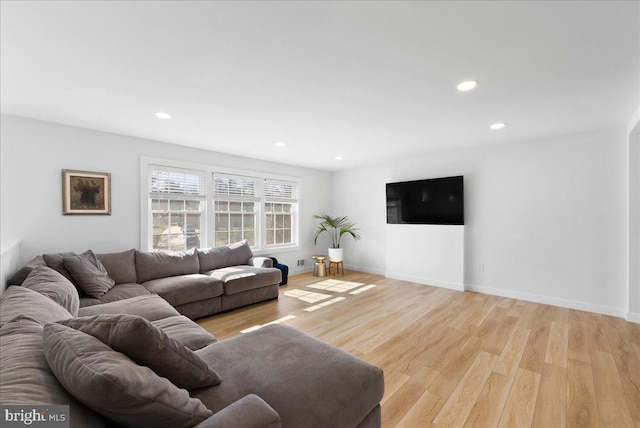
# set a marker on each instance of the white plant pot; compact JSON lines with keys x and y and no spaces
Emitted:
{"x":336,"y":254}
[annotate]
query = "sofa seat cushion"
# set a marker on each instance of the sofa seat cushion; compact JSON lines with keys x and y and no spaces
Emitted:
{"x":151,"y":307}
{"x":185,"y":331}
{"x":241,"y":278}
{"x":17,"y":300}
{"x":118,"y":292}
{"x":156,"y":265}
{"x":113,"y":385}
{"x":182,"y":289}
{"x":26,"y":376}
{"x":308,"y":382}
{"x":52,"y":284}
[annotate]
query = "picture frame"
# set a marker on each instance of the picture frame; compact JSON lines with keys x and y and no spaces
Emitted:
{"x":86,"y":192}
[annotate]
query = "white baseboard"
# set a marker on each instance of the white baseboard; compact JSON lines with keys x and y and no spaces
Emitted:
{"x":426,"y":281}
{"x":365,"y":269}
{"x":546,"y":300}
{"x":298,"y":270}
{"x":633,"y":317}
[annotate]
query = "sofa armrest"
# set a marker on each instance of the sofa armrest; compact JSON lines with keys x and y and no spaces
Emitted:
{"x":261,"y":262}
{"x":250,"y":411}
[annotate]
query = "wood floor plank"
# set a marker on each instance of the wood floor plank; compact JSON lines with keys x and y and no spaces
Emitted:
{"x":551,"y":403}
{"x":612,"y":407}
{"x":459,"y":405}
{"x":627,"y":363}
{"x":557,"y":345}
{"x":582,"y":409}
{"x":521,"y":402}
{"x":512,"y":353}
{"x":535,"y":351}
{"x":423,"y":411}
{"x":488,"y":407}
{"x":426,"y":339}
{"x":578,"y":344}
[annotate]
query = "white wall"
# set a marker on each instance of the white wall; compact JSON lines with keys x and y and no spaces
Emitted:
{"x":547,"y":219}
{"x":33,"y":153}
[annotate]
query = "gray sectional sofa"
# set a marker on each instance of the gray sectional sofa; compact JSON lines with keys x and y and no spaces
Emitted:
{"x":136,"y":361}
{"x":198,"y":282}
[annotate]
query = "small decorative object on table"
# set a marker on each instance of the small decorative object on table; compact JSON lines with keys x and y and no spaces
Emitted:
{"x":319,"y":268}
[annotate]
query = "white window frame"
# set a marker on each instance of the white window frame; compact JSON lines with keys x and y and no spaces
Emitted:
{"x":207,"y":238}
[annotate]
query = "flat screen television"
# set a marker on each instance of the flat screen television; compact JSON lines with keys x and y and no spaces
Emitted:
{"x":433,"y":201}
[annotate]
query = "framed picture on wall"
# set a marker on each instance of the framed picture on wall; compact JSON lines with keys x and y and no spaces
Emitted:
{"x":85,"y":192}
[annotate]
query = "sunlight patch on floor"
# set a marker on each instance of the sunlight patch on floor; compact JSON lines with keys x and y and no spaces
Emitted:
{"x":335,"y":285}
{"x":259,"y":326}
{"x":323,"y":304}
{"x":307,"y":296}
{"x":360,"y":290}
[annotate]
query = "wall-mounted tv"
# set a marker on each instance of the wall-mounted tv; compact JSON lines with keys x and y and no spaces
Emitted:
{"x":433,"y":201}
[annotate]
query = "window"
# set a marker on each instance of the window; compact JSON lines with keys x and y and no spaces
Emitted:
{"x":208,"y":207}
{"x":279,"y":207}
{"x":235,"y":203}
{"x":177,"y":208}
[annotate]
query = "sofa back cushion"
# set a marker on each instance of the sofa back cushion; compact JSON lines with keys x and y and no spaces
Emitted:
{"x":235,"y":254}
{"x":161,"y":265}
{"x":52,"y":284}
{"x":120,"y":266}
{"x":26,"y":376}
{"x":113,"y":385}
{"x":17,"y":300}
{"x":149,"y":346}
{"x":55,"y":262}
{"x":18,"y":277}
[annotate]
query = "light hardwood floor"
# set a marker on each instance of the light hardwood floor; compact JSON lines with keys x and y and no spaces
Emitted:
{"x":454,"y":359}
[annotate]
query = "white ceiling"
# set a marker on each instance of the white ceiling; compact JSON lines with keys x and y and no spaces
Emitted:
{"x":367,"y":81}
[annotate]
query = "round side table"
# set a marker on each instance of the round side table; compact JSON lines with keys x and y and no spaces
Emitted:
{"x":320,"y":267}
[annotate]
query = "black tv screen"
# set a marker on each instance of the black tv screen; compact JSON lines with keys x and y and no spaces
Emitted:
{"x":434,"y":201}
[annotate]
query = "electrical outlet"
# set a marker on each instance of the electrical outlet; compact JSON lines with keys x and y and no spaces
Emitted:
{"x":480,"y":267}
{"x":302,"y":262}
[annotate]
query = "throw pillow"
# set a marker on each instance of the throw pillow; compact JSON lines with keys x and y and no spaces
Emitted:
{"x":89,"y":274}
{"x":114,"y":386}
{"x":146,"y":344}
{"x":55,"y":286}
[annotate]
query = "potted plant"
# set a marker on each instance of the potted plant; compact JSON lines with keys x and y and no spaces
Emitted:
{"x":335,"y":227}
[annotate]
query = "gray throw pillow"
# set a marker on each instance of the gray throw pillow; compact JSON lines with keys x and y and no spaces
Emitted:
{"x":114,"y":386}
{"x":147,"y":345}
{"x":55,"y":286}
{"x":89,"y":274}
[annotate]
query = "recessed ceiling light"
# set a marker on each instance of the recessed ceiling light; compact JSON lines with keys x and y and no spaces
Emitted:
{"x":467,"y":85}
{"x":338,"y":158}
{"x":497,"y":126}
{"x":280,"y":144}
{"x":161,"y":115}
